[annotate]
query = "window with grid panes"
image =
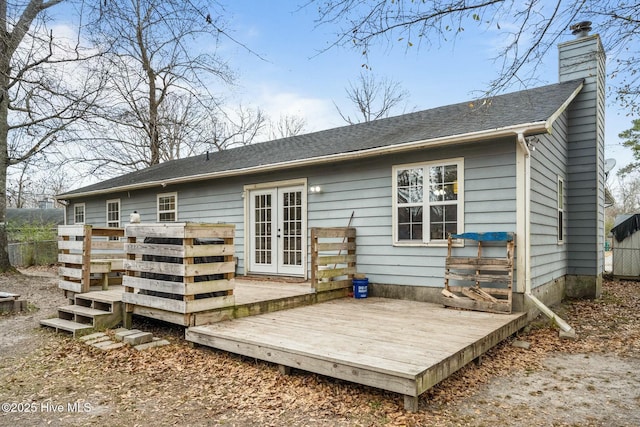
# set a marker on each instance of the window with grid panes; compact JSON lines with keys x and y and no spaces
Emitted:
{"x":428,"y":201}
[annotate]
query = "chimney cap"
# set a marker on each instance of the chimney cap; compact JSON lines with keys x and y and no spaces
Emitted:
{"x":581,"y":29}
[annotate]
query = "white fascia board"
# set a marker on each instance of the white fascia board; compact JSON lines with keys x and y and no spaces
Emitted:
{"x":525,"y":128}
{"x":563,"y":107}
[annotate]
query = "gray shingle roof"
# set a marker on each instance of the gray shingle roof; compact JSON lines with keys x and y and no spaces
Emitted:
{"x":509,"y":110}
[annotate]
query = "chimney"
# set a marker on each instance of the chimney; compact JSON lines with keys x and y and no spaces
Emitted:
{"x":584,"y":58}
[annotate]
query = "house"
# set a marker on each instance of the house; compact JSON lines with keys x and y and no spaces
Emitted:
{"x":529,"y":162}
{"x":626,"y":246}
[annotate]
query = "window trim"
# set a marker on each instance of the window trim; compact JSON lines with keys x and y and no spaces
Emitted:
{"x":119,"y":213}
{"x":84,"y":213}
{"x":560,"y":210}
{"x":426,"y":235}
{"x":175,"y":209}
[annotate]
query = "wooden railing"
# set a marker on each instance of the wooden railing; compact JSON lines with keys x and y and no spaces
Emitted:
{"x":333,"y":258}
{"x":176,"y":270}
{"x":89,"y":255}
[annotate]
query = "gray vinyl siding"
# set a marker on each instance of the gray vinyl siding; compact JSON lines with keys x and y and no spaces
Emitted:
{"x":366,"y":189}
{"x":585,"y":58}
{"x":363,"y":187}
{"x":490,"y":188}
{"x":549,"y":258}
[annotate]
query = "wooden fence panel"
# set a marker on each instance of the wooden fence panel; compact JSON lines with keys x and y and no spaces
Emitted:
{"x":85,"y":252}
{"x":174,"y":271}
{"x":333,"y":258}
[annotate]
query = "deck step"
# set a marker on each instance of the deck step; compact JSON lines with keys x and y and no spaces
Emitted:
{"x":83,"y":311}
{"x":99,"y":316}
{"x":75,"y":328}
{"x":113,"y":295}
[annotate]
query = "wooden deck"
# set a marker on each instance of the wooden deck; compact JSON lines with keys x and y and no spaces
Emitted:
{"x":402,"y":346}
{"x":251,"y":297}
{"x":252,"y":291}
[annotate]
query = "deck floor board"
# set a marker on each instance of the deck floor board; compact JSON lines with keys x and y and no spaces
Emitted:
{"x":396,"y":345}
{"x":401,"y":314}
{"x":354,"y":333}
{"x":251,"y":291}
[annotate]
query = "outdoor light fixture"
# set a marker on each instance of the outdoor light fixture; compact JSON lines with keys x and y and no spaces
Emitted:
{"x":315,"y":189}
{"x":532,"y":141}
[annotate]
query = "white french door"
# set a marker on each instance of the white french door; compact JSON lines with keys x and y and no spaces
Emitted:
{"x":277,"y":239}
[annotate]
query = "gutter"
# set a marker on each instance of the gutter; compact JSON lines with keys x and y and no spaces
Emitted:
{"x":508,"y":131}
{"x":566,"y":329}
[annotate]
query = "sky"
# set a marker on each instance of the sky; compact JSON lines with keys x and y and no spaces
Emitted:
{"x":293,"y":70}
{"x":294,"y":75}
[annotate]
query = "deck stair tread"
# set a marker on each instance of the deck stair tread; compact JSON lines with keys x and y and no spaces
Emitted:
{"x":85,"y":311}
{"x":102,"y":296}
{"x":65,"y":325}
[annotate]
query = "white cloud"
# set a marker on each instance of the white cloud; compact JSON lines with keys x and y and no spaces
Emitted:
{"x":319,"y":113}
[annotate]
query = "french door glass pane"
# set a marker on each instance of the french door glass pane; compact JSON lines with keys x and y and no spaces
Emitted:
{"x":262,"y":214}
{"x":292,"y":228}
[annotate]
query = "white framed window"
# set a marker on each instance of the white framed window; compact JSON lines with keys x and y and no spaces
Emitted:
{"x":428,"y":201}
{"x":167,"y":207}
{"x":560,"y":206}
{"x":113,"y":213}
{"x":78,"y":213}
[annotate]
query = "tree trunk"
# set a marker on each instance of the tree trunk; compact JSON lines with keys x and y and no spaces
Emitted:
{"x":5,"y":264}
{"x":10,"y":37}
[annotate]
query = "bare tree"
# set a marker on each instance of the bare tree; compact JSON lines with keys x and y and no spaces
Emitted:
{"x":528,"y":30}
{"x":38,"y":106}
{"x":286,"y":126}
{"x":17,"y":187}
{"x":373,"y":98}
{"x":182,"y":123}
{"x":237,"y":127}
{"x":36,"y":180}
{"x":628,"y":193}
{"x":162,"y":64}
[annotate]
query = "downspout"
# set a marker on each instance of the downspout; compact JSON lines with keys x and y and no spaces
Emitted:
{"x":567,"y":330}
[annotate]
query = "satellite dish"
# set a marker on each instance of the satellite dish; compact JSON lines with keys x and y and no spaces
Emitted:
{"x":608,"y":165}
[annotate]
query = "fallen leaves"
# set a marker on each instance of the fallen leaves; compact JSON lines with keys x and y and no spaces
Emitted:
{"x":179,"y":384}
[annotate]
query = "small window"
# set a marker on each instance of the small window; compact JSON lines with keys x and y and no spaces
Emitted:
{"x":113,"y":213}
{"x":113,"y":216}
{"x":78,"y":213}
{"x":428,"y":201}
{"x":167,"y":207}
{"x":560,"y":195}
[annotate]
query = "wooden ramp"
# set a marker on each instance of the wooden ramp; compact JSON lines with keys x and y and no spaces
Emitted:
{"x":402,"y":346}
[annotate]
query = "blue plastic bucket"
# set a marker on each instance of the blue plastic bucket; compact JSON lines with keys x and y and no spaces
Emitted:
{"x":360,"y":288}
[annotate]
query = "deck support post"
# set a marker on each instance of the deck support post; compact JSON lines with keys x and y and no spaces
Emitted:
{"x":478,"y":360}
{"x":127,"y":318}
{"x":410,"y":403}
{"x":284,"y":370}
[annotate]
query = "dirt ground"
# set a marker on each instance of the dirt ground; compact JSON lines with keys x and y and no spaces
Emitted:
{"x":52,"y":379}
